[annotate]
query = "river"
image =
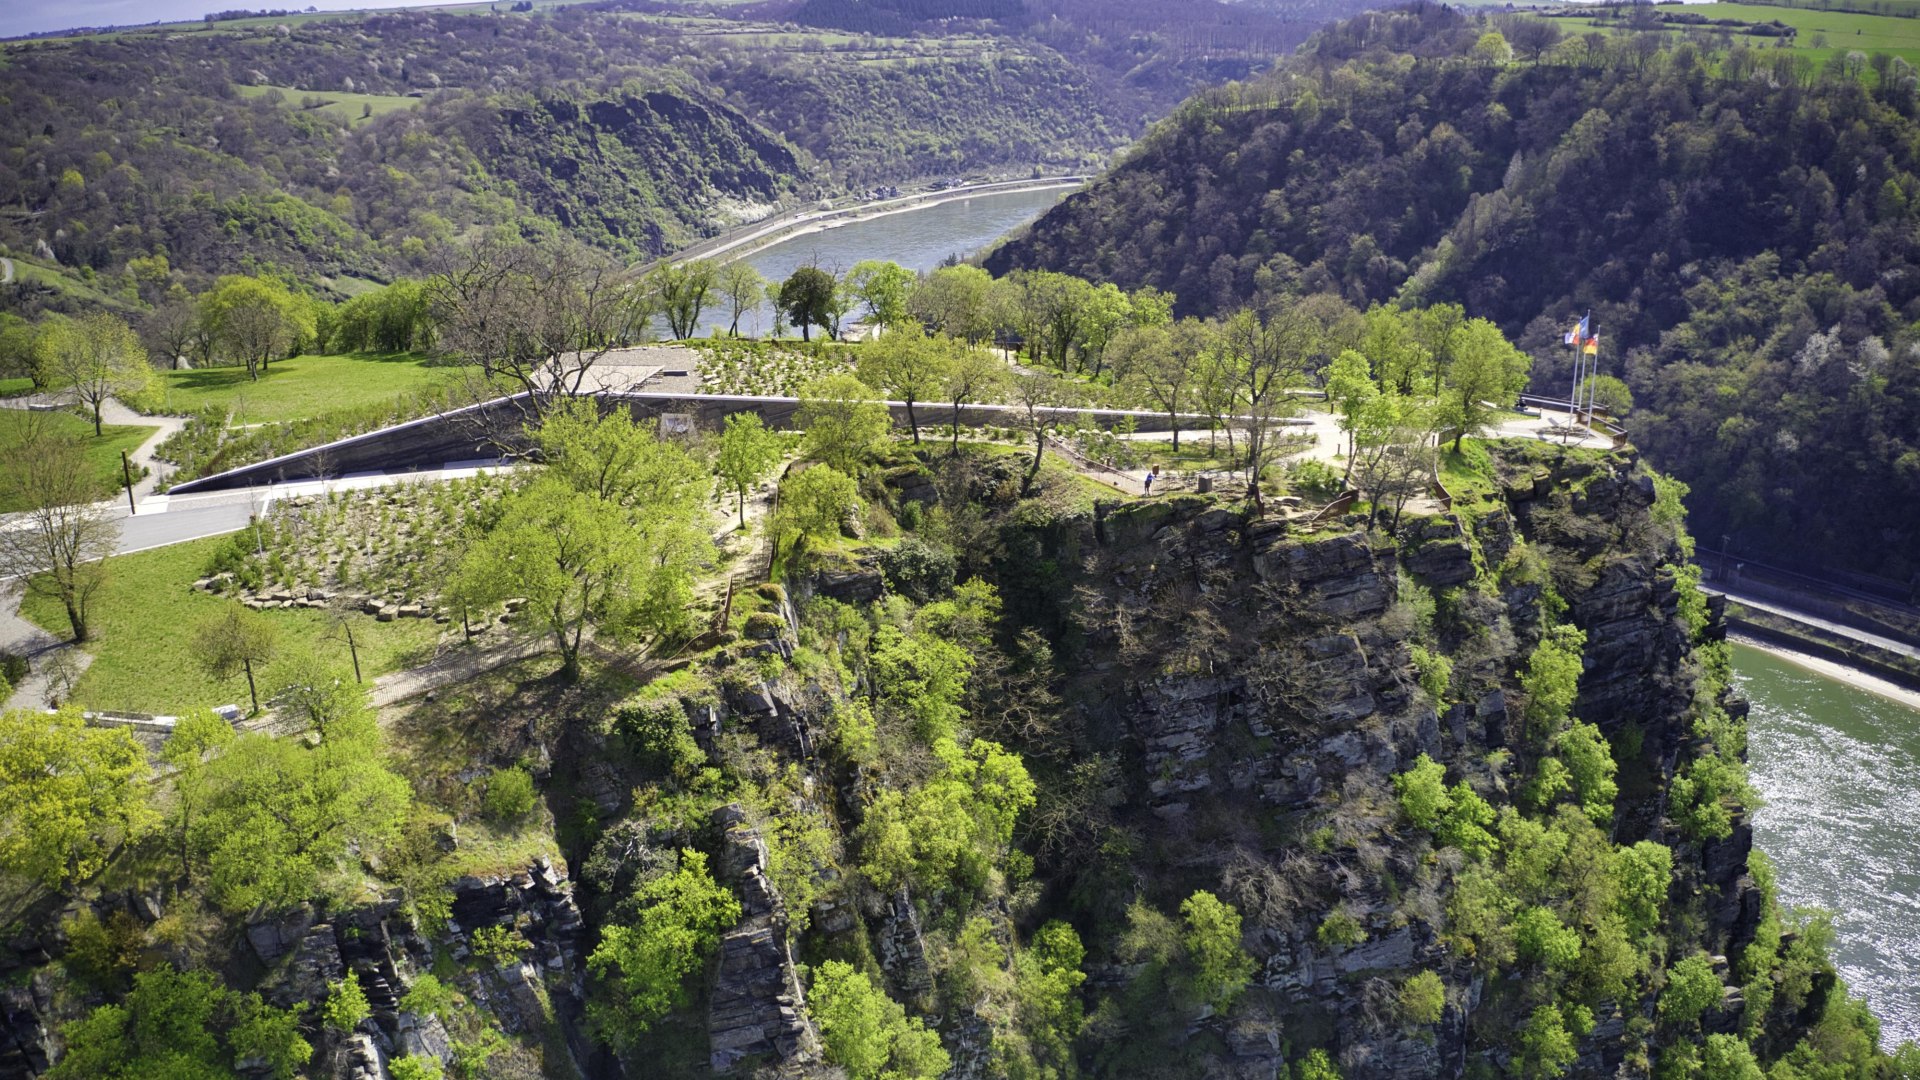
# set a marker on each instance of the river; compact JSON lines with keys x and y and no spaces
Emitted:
{"x":918,"y":239}
{"x":1838,"y":769}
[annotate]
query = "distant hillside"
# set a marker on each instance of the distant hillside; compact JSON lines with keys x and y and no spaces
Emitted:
{"x":351,"y":147}
{"x":1744,"y":228}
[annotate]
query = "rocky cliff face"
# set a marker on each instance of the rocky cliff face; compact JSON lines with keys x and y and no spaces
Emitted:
{"x":1260,"y":682}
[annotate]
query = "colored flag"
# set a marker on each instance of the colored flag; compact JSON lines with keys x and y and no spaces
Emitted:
{"x":1578,"y":334}
{"x":1593,"y":345}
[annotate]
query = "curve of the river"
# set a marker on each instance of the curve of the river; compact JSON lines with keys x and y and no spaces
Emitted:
{"x":918,"y":239}
{"x":1838,"y":769}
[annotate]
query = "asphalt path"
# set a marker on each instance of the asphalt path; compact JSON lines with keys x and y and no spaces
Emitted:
{"x":1842,"y":629}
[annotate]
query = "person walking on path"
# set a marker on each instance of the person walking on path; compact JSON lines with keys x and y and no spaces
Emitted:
{"x":1147,"y":484}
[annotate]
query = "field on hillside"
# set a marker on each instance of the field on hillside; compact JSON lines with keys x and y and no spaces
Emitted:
{"x":103,"y":452}
{"x":1820,"y":35}
{"x":299,"y":388}
{"x":351,"y":108}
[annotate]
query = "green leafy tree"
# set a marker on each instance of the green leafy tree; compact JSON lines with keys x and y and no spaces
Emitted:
{"x":428,"y":996}
{"x":234,"y":641}
{"x":972,"y":375}
{"x":1484,"y":379}
{"x":1219,"y":966}
{"x":416,"y":1067}
{"x":1546,"y":1046}
{"x":1728,"y":1057}
{"x":181,"y":1026}
{"x":612,"y":457}
{"x":255,"y":320}
{"x":808,"y":298}
{"x":1047,"y":979}
{"x":683,"y":289}
{"x":72,"y":793}
{"x":955,"y":300}
{"x":643,"y":964}
{"x":1591,"y":768}
{"x":274,"y":814}
{"x":867,"y":1033}
{"x":196,"y":736}
{"x":910,"y":365}
{"x":882,"y":287}
{"x":98,"y":357}
{"x":1423,"y":792}
{"x":748,"y":452}
{"x":815,"y":502}
{"x":921,"y":677}
{"x":1692,"y":988}
{"x":1350,"y":390}
{"x":1541,"y":937}
{"x":1316,"y":1066}
{"x":948,"y":833}
{"x":845,"y":421}
{"x":1552,"y":678}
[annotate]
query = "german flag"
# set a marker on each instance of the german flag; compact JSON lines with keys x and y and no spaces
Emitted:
{"x":1592,"y":345}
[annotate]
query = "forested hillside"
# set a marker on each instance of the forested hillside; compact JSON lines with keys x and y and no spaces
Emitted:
{"x":1741,"y":224}
{"x":339,"y":150}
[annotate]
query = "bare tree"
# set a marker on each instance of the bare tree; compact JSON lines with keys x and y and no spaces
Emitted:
{"x":1266,"y":353}
{"x":1040,"y":396}
{"x":172,"y":329}
{"x":58,"y":543}
{"x":535,"y":317}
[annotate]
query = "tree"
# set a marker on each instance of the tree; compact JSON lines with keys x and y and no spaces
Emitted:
{"x":956,"y":301}
{"x":815,"y":502}
{"x":1265,"y":352}
{"x":867,"y":1033}
{"x":683,"y":290}
{"x":947,"y":834}
{"x":1105,"y":311}
{"x":972,"y":375}
{"x":570,"y":554}
{"x":743,"y":288}
{"x":844,"y":419}
{"x":234,"y":641}
{"x":73,"y":792}
{"x":908,"y":364}
{"x":644,"y":962}
{"x":275,"y":813}
{"x":1158,"y":365}
{"x":182,"y":1026}
{"x":610,"y":456}
{"x":1485,"y":379}
{"x":1492,"y":48}
{"x":196,"y":737}
{"x":346,"y":1006}
{"x":1040,"y":396}
{"x":1607,"y":393}
{"x":171,"y":328}
{"x":1692,"y":989}
{"x":881,"y":286}
{"x":1391,"y":462}
{"x":807,"y":296}
{"x":20,"y":351}
{"x":255,"y":320}
{"x":60,"y":541}
{"x":922,"y":677}
{"x":748,"y":451}
{"x":1219,"y":966}
{"x":97,"y":356}
{"x":535,"y":316}
{"x":1350,"y":391}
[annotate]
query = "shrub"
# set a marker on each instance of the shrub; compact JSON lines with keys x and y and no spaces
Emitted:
{"x":867,"y":1033}
{"x":919,"y":570}
{"x":1423,"y":998}
{"x":1340,"y":929}
{"x":1423,"y":792}
{"x":416,"y":1067}
{"x":1435,"y":672}
{"x":1220,"y":965}
{"x":428,"y":996}
{"x":658,"y":732}
{"x":1316,"y":1066}
{"x":346,"y":1004}
{"x":497,"y":945}
{"x":509,"y":796}
{"x":1692,"y":989}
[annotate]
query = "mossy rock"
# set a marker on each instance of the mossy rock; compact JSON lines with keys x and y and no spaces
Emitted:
{"x":764,"y":625}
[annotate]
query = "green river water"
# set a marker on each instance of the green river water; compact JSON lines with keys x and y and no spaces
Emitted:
{"x":1838,"y":769}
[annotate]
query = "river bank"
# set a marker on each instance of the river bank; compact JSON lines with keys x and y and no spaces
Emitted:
{"x":1851,"y":676}
{"x":749,"y":240}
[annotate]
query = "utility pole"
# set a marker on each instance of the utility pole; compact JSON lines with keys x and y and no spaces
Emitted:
{"x":353,"y":650}
{"x":126,"y":471}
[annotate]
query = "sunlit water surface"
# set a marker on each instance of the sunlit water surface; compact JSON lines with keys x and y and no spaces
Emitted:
{"x":1839,"y":770}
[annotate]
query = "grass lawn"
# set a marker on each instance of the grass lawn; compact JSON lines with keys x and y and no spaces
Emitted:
{"x":144,"y":618}
{"x":301,"y":387}
{"x":341,"y":105}
{"x":1840,"y":32}
{"x":15,"y":387}
{"x":103,"y":452}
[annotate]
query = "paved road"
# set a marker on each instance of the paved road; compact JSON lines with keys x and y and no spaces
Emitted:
{"x":6,"y":271}
{"x":1842,"y":629}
